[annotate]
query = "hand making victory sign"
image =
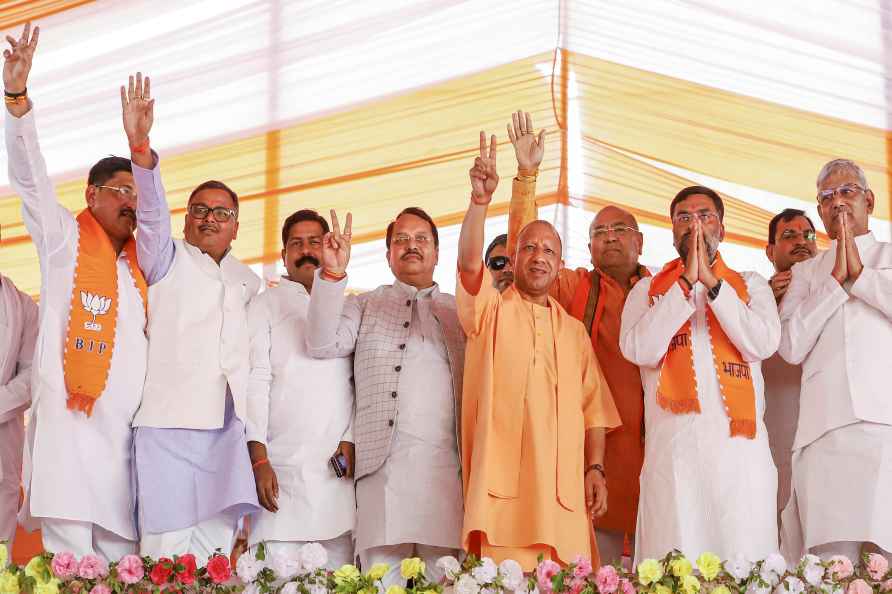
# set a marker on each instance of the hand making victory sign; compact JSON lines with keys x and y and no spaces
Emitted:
{"x":484,"y":178}
{"x":336,"y":247}
{"x":137,"y":112}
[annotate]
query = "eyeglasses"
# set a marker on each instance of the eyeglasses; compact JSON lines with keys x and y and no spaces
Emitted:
{"x":403,"y":239}
{"x":685,"y":218}
{"x":601,"y":233}
{"x":807,"y":235}
{"x":125,"y":191}
{"x":845,"y":191}
{"x":497,"y":262}
{"x":221,"y":213}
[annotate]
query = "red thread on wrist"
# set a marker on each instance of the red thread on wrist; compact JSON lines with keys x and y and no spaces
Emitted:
{"x":331,"y":276}
{"x":260,"y":462}
{"x":141,"y":148}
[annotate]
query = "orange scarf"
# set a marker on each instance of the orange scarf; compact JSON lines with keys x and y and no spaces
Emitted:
{"x":90,"y":337}
{"x":677,"y":389}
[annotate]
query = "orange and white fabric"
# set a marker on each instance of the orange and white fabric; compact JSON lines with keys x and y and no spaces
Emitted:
{"x":90,"y":456}
{"x":694,"y":496}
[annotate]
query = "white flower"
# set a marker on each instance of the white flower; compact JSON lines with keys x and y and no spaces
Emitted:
{"x":773,"y":568}
{"x":285,"y":565}
{"x":449,"y":565}
{"x":317,"y":589}
{"x":812,"y":570}
{"x":512,"y":574}
{"x":792,"y":585}
{"x":247,"y":567}
{"x":290,"y":588}
{"x":467,"y":585}
{"x":739,"y":567}
{"x":313,"y":556}
{"x":486,"y":572}
{"x":251,"y":588}
{"x":830,"y":588}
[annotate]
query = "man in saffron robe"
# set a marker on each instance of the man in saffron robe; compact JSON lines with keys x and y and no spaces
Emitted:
{"x":536,"y":407}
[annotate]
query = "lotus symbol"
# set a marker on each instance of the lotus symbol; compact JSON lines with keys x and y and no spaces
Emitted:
{"x":96,"y":305}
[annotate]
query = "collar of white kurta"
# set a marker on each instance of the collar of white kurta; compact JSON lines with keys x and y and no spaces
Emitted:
{"x":290,"y":285}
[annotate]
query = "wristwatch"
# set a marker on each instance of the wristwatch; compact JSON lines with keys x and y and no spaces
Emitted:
{"x":714,"y":291}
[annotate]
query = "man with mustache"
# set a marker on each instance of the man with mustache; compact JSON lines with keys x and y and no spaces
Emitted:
{"x":91,"y":353}
{"x":596,"y":297}
{"x":408,"y":353}
{"x":193,"y":474}
{"x":496,"y":259}
{"x":791,"y":239}
{"x":299,"y":411}
{"x":699,"y":330}
{"x":536,"y":406}
{"x":837,"y":323}
{"x":18,"y":336}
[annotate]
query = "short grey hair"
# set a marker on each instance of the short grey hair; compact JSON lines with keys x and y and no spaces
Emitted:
{"x":837,"y":165}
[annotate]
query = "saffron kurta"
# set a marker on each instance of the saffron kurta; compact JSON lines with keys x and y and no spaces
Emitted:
{"x":625,"y":445}
{"x":533,"y":389}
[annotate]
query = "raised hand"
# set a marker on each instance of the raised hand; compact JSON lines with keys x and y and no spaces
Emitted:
{"x":484,"y":178}
{"x":841,"y":266}
{"x":692,"y":263}
{"x":137,"y":109}
{"x":18,"y":58}
{"x":779,"y":284}
{"x":528,"y":147}
{"x":336,"y":246}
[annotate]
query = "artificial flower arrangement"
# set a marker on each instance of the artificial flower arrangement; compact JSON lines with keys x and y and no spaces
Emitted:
{"x":304,"y":572}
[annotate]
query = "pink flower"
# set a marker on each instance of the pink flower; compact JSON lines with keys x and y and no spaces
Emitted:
{"x":877,"y":566}
{"x":887,"y":586}
{"x":577,"y":584}
{"x":607,"y":579}
{"x":859,"y":586}
{"x":92,"y":567}
{"x":583,"y":567}
{"x":544,"y":572}
{"x":130,"y":569}
{"x":100,"y":589}
{"x":64,"y":565}
{"x":840,"y":567}
{"x":627,"y":586}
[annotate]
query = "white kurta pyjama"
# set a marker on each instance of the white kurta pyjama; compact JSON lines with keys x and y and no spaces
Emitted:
{"x":701,"y":489}
{"x":301,"y":409}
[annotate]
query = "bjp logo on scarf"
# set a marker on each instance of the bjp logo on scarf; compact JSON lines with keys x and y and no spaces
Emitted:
{"x":97,"y":305}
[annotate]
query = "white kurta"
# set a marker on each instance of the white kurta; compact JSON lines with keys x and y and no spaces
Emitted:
{"x":301,"y":409}
{"x":416,"y":496}
{"x":701,"y":489}
{"x":18,"y":335}
{"x":76,"y":467}
{"x":842,"y":336}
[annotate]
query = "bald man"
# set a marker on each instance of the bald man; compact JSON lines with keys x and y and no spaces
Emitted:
{"x":596,"y":297}
{"x":536,"y":409}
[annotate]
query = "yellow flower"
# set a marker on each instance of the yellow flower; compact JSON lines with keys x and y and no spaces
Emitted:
{"x":661,"y":589}
{"x":720,"y":590}
{"x":680,"y":567}
{"x":690,"y":584}
{"x":37,"y":569}
{"x":378,"y":571}
{"x":347,"y":573}
{"x":429,"y":592}
{"x":4,"y":554}
{"x":709,"y":565}
{"x":368,"y":591}
{"x":396,"y":590}
{"x":412,"y":568}
{"x":9,"y":583}
{"x":50,"y":587}
{"x":649,"y":571}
